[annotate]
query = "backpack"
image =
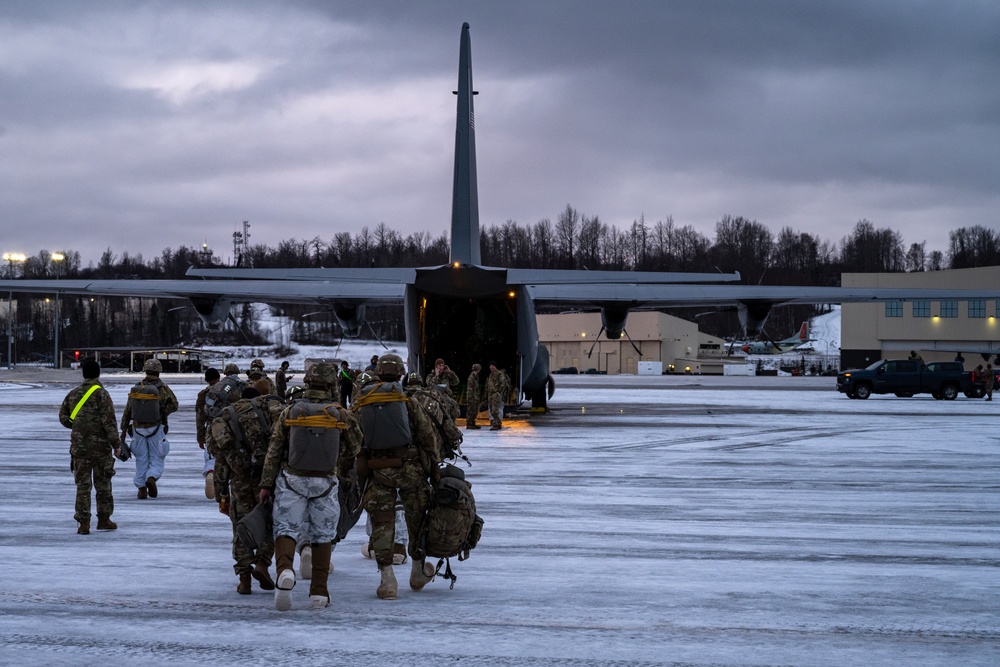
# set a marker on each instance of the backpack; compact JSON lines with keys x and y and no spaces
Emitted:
{"x":385,"y":416}
{"x":225,"y":392}
{"x":254,"y":416}
{"x":144,"y":400}
{"x":314,"y":435}
{"x":451,"y":526}
{"x":442,"y":409}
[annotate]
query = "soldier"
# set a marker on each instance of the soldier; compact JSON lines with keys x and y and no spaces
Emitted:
{"x":259,"y":379}
{"x":145,"y":418}
{"x":401,"y":451}
{"x":225,"y":392}
{"x":472,"y":398}
{"x":347,"y":377}
{"x":442,"y":376}
{"x":241,"y":435}
{"x":89,"y":411}
{"x":497,"y":391}
{"x":201,"y":422}
{"x":988,"y":381}
{"x":443,"y":411}
{"x":313,"y":441}
{"x":281,"y":379}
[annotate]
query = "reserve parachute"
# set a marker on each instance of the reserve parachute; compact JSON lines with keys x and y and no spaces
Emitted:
{"x":145,"y":402}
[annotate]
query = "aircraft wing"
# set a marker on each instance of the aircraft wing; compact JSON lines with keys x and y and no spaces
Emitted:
{"x":264,"y":291}
{"x":637,"y":295}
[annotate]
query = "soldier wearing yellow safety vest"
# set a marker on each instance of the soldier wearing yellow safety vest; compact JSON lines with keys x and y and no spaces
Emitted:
{"x":89,"y":411}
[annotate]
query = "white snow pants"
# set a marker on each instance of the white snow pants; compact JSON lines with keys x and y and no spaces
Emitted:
{"x":149,"y":447}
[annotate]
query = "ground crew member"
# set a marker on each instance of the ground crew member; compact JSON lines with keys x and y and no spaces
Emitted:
{"x":201,"y":422}
{"x":312,"y":442}
{"x":152,"y":401}
{"x":89,"y":411}
{"x":241,"y":435}
{"x":346,"y":383}
{"x":497,"y":391}
{"x":401,"y":451}
{"x":472,"y":398}
{"x":441,"y":376}
{"x":281,"y":379}
{"x":989,"y":381}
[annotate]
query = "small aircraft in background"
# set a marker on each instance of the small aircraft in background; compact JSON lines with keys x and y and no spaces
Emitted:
{"x":777,"y":347}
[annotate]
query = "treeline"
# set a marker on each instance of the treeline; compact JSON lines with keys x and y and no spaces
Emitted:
{"x":573,"y":241}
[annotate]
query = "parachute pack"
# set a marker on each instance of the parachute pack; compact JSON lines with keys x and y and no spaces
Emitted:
{"x":144,"y":400}
{"x":451,"y":526}
{"x":443,"y":410}
{"x":225,"y":392}
{"x":385,"y":419}
{"x":314,"y":435}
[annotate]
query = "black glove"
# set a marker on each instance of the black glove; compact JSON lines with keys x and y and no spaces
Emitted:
{"x":166,"y":427}
{"x":72,"y":464}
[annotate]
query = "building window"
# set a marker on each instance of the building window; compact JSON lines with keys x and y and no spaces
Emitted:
{"x":893,"y":308}
{"x":949,"y":309}
{"x":977,"y":309}
{"x":921,"y":308}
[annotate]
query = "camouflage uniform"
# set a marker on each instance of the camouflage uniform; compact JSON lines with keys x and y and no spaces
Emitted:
{"x":201,"y":423}
{"x":149,"y":443}
{"x":241,"y":460}
{"x":497,"y":391}
{"x":92,"y":442}
{"x":447,"y":378}
{"x":306,"y":502}
{"x":259,"y":379}
{"x":404,"y":471}
{"x":220,"y":473}
{"x":472,"y":397}
{"x":443,"y":411}
{"x":281,"y":380}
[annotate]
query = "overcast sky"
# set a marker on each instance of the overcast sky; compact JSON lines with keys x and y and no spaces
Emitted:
{"x":144,"y":125}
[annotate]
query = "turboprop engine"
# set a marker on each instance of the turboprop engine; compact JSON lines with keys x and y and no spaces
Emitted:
{"x":213,"y":312}
{"x":753,"y":316}
{"x":350,"y":317}
{"x":613,"y":320}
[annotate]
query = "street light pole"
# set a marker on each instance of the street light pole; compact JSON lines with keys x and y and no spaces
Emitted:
{"x":56,"y":361}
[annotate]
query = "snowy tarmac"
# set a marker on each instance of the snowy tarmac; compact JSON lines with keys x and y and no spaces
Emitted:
{"x":645,"y":521}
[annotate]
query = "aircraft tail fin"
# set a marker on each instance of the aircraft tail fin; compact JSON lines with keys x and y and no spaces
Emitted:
{"x":804,"y":331}
{"x":465,"y":247}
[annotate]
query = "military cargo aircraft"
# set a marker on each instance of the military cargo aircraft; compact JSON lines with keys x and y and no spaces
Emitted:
{"x":466,"y":312}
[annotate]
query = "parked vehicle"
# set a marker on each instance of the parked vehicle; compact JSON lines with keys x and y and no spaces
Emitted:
{"x":908,"y":377}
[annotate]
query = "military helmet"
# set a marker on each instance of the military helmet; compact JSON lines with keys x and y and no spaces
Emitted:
{"x":322,"y":373}
{"x":413,"y":380}
{"x":257,"y":363}
{"x":152,"y":366}
{"x":390,"y":364}
{"x":231,"y":369}
{"x":365,"y":378}
{"x":477,"y":367}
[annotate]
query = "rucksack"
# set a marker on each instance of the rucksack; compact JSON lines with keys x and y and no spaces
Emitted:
{"x":451,"y":526}
{"x":385,"y":416}
{"x":441,"y":408}
{"x":144,"y":400}
{"x":225,"y":392}
{"x":252,"y":416}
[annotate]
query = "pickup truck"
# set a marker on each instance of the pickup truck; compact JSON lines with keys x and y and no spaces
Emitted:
{"x":907,"y":377}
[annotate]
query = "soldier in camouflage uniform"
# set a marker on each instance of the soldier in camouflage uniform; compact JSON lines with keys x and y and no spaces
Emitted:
{"x":201,"y":422}
{"x":149,"y":439}
{"x":497,"y":391}
{"x":306,"y":499}
{"x":442,"y":376}
{"x":402,"y":469}
{"x":89,"y":411}
{"x":259,"y":379}
{"x":281,"y":379}
{"x":441,"y":408}
{"x":241,"y":435}
{"x":472,"y":398}
{"x":211,"y":408}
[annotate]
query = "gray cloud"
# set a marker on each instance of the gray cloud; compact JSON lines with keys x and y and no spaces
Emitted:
{"x":142,"y":126}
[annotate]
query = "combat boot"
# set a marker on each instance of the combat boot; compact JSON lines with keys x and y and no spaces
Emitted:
{"x":84,"y":528}
{"x":398,"y":554}
{"x":306,"y":562}
{"x":284,"y":553}
{"x":367,"y":550}
{"x":421,"y":573}
{"x":210,"y":485}
{"x":142,"y":493}
{"x":151,"y":486}
{"x":244,"y":586}
{"x":387,"y":587}
{"x":262,"y":576}
{"x":319,"y":594}
{"x":106,"y":524}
